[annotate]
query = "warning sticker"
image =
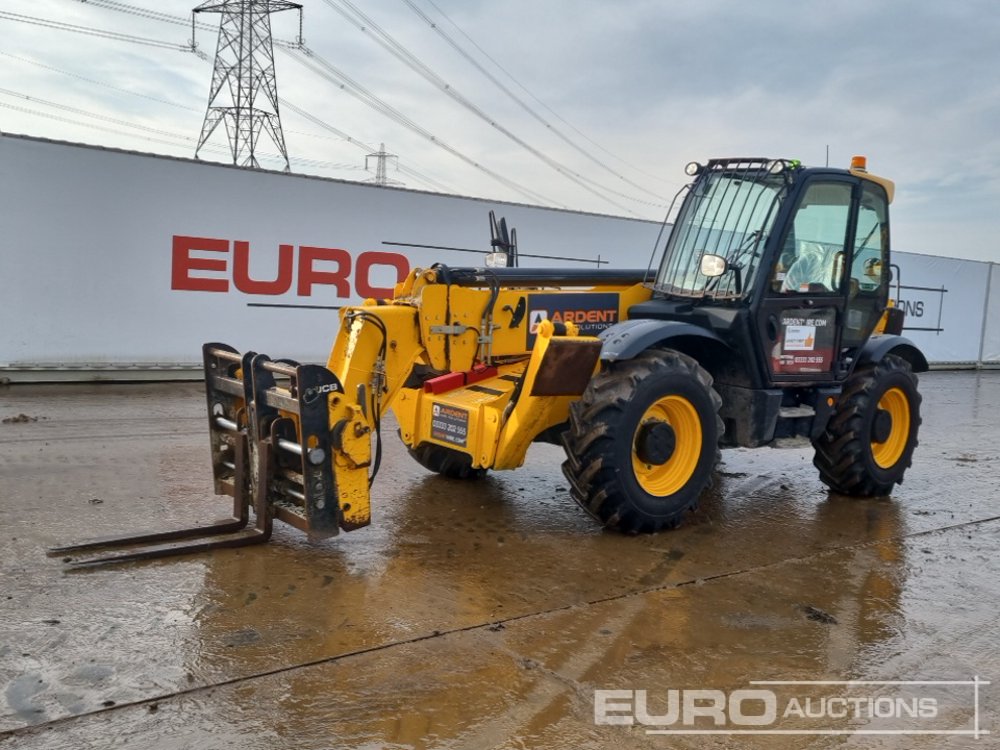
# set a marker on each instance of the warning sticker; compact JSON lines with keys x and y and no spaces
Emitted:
{"x":450,"y":424}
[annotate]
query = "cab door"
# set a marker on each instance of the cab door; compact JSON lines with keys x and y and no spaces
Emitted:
{"x":869,"y":276}
{"x":800,"y":319}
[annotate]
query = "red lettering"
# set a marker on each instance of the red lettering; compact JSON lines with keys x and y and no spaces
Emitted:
{"x":184,"y":264}
{"x":362,"y":277}
{"x":309,"y":276}
{"x":241,"y":271}
{"x":316,"y":265}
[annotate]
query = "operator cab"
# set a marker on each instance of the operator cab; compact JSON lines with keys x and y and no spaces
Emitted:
{"x":788,"y":265}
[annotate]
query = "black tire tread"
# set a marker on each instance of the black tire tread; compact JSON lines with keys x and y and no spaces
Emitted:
{"x":589,"y":442}
{"x":843,"y":450}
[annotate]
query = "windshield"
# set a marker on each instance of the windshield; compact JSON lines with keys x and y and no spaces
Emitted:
{"x":729,"y":212}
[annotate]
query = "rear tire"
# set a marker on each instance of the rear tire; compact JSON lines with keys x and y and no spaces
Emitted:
{"x":643,"y":441}
{"x":868,"y":444}
{"x":446,"y":462}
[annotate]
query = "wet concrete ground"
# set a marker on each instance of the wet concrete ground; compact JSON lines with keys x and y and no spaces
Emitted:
{"x":485,"y":615}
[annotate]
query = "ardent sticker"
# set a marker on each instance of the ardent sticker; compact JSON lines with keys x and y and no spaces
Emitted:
{"x":535,"y":320}
{"x":592,"y":312}
{"x":806,"y":343}
{"x":800,"y":338}
{"x":450,"y":424}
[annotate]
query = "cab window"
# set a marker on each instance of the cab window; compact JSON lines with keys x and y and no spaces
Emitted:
{"x":869,"y":278}
{"x":812,"y":261}
{"x":871,"y":244}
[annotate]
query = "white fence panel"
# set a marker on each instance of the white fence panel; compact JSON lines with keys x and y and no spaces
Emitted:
{"x":110,"y":258}
{"x":944,"y":300}
{"x":991,"y":325}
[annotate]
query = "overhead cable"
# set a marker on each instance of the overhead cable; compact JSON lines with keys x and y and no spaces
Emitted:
{"x":169,"y":18}
{"x":117,"y":36}
{"x":527,"y":91}
{"x":305,"y":57}
{"x":514,"y":97}
{"x":331,"y":74}
{"x":364,"y":23}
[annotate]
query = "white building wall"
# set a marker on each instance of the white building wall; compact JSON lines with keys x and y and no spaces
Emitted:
{"x":991,"y":325}
{"x":96,"y":273}
{"x":944,"y":299}
{"x":88,"y":272}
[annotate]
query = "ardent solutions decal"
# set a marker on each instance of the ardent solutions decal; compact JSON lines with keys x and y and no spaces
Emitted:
{"x":449,"y":424}
{"x":592,"y":312}
{"x":806,"y":343}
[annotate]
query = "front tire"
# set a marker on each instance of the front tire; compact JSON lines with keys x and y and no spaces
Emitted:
{"x":643,"y":441}
{"x":868,"y":444}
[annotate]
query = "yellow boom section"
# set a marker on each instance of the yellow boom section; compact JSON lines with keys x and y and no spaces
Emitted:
{"x":414,"y":354}
{"x":476,"y":364}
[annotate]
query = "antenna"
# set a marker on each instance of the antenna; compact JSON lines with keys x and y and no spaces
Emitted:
{"x":244,"y":92}
{"x":381,"y":161}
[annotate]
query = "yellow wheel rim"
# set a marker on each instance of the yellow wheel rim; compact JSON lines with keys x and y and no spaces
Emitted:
{"x":887,"y":454}
{"x":668,"y":478}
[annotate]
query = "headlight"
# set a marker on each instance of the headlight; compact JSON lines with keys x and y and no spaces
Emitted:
{"x":496,"y":260}
{"x":692,"y":169}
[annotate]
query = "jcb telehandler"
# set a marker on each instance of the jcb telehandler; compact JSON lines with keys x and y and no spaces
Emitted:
{"x":768,"y":316}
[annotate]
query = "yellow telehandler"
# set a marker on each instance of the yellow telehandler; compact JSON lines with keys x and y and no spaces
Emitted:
{"x":766,"y":317}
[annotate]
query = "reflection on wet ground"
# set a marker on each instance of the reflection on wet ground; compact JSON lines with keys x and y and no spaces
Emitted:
{"x":477,"y":615}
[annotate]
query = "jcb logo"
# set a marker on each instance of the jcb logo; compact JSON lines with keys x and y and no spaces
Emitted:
{"x":316,"y":391}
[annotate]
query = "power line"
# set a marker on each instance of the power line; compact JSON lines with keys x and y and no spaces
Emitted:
{"x":520,"y":85}
{"x":361,"y":144}
{"x":77,"y":110}
{"x":159,"y":100}
{"x":178,"y":20}
{"x":147,"y":13}
{"x":419,"y":176}
{"x":106,"y":85}
{"x":168,"y":18}
{"x":117,"y":36}
{"x":95,"y":126}
{"x":331,"y":74}
{"x":383,"y":38}
{"x":524,"y":105}
{"x":145,"y":129}
{"x":342,"y":81}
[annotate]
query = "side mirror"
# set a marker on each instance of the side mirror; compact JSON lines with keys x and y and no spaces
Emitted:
{"x":713,"y":265}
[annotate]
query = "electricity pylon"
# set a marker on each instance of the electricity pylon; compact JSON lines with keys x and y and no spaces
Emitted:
{"x":381,"y":172}
{"x":244,"y":93}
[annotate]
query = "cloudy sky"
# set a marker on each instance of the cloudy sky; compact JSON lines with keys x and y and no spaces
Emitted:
{"x":601,"y":105}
